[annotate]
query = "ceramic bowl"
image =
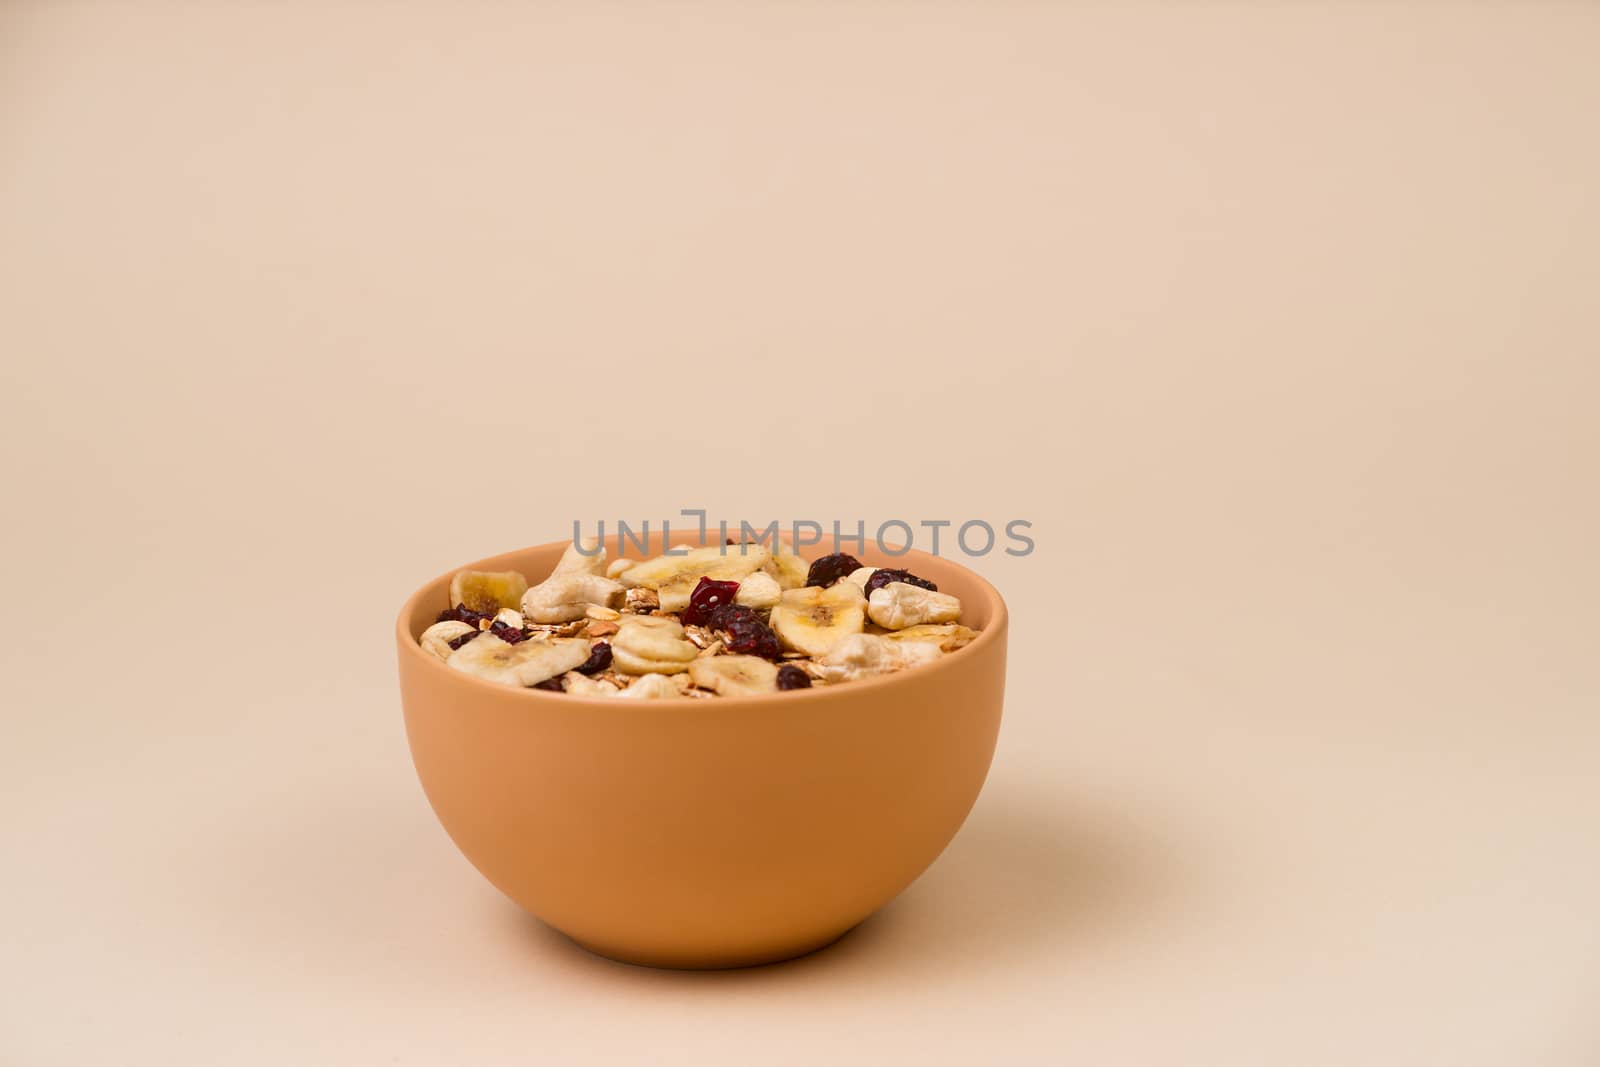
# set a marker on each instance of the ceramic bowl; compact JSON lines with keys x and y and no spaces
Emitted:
{"x":706,"y":833}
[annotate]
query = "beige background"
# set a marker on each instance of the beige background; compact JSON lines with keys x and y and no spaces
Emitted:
{"x":1277,"y":321}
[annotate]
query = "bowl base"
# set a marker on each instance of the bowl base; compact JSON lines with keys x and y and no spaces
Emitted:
{"x":706,"y":961}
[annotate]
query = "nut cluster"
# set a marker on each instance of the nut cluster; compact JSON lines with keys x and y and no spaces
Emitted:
{"x":724,"y":620}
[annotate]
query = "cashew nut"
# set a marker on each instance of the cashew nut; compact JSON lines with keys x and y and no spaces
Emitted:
{"x":651,"y":687}
{"x":566,"y":597}
{"x":575,"y":562}
{"x":865,"y":655}
{"x":758,"y":590}
{"x":898,"y":605}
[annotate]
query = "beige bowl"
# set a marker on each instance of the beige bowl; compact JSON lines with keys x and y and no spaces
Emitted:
{"x":706,"y":833}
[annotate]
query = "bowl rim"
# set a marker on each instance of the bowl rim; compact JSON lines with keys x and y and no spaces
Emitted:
{"x":992,"y":633}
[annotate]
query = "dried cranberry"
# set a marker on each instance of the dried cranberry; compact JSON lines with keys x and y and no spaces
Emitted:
{"x":457,"y":642}
{"x":554,"y":685}
{"x":509,"y":634}
{"x":884,"y":575}
{"x":751,"y":637}
{"x":830,"y":569}
{"x":706,"y":598}
{"x":599,"y":659}
{"x":724,"y":615}
{"x":792,"y":677}
{"x":462,"y":613}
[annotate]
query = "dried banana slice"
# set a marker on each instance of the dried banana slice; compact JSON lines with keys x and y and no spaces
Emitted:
{"x":525,"y":663}
{"x":948,"y":636}
{"x":813,"y":619}
{"x":651,"y":644}
{"x":786,"y":567}
{"x":734,"y":675}
{"x":486,"y":592}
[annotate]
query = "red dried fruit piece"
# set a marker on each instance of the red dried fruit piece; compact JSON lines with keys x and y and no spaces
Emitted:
{"x":724,"y":616}
{"x":509,"y":634}
{"x":708,"y":596}
{"x":792,"y":677}
{"x":752,"y":637}
{"x":830,"y":569}
{"x":554,"y":685}
{"x":464,"y":638}
{"x":599,"y":659}
{"x":884,"y":575}
{"x":462,"y":613}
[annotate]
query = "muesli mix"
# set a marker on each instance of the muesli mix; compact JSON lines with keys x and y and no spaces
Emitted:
{"x":723,"y":620}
